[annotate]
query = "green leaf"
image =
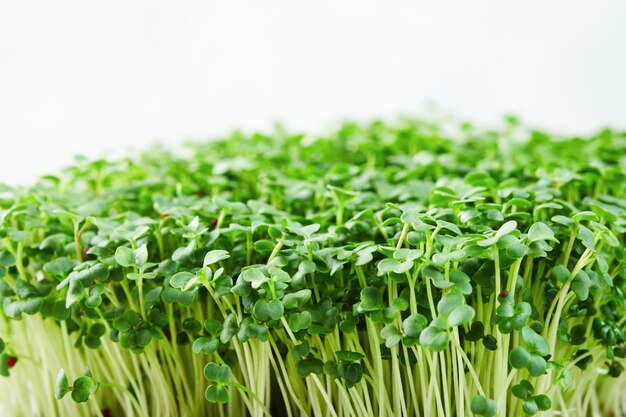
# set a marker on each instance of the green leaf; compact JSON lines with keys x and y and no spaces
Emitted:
{"x":505,"y":310}
{"x":529,"y":407}
{"x":449,"y":226}
{"x":300,"y":321}
{"x":581,"y":284}
{"x":170,"y":295}
{"x":276,"y":309}
{"x":536,"y":365}
{"x":350,"y":372}
{"x":215,"y":256}
{"x":297,"y":299}
{"x":97,"y":329}
{"x":82,"y":389}
{"x":97,"y":272}
{"x":278,"y":275}
{"x":437,"y":277}
{"x":604,"y":211}
{"x":18,"y":235}
{"x":517,"y":251}
{"x":371,"y":299}
{"x":519,"y":357}
{"x":125,"y":256}
{"x":75,"y":293}
{"x":182,"y":254}
{"x":482,"y":406}
{"x":308,"y":366}
{"x":565,"y":380}
{"x":255,"y":277}
{"x":348,"y":356}
{"x":448,"y":303}
{"x":331,"y":369}
{"x":521,"y":317}
{"x":414,"y":325}
{"x":461,"y":282}
{"x":391,"y":334}
{"x":561,"y":273}
{"x":205,"y":345}
{"x":412,"y":216}
{"x":543,"y":402}
{"x":216,"y":394}
{"x":264,"y":246}
{"x":261,"y":310}
{"x":407,"y":254}
{"x":304,"y":231}
{"x":141,"y":255}
{"x":342,"y":195}
{"x":434,"y":338}
{"x":128,"y":340}
{"x":266,"y":311}
{"x":387,"y":265}
{"x":7,"y":259}
{"x":230,"y":328}
{"x":505,"y":229}
{"x":401,"y":304}
{"x":192,"y":325}
{"x":541,"y":231}
{"x":446,"y":257}
{"x":461,"y":315}
{"x":217,"y":374}
{"x":535,"y":342}
{"x":60,"y":267}
{"x":301,"y":351}
{"x":62,"y":386}
{"x":213,"y":327}
{"x":223,"y":285}
{"x":364,"y":256}
{"x":477,"y":332}
{"x":587,"y":237}
{"x":183,"y":280}
{"x":520,"y":391}
{"x":585,"y":216}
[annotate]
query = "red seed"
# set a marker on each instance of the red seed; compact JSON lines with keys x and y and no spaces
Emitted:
{"x":106,"y":412}
{"x":86,"y":249}
{"x":504,"y":293}
{"x":164,"y":216}
{"x":11,"y":361}
{"x":214,"y":222}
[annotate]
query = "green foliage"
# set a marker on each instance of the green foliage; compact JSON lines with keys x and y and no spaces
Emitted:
{"x":81,"y":390}
{"x":62,"y":386}
{"x":218,"y":377}
{"x":482,"y":406}
{"x":532,"y":356}
{"x":531,"y":404}
{"x":344,"y":274}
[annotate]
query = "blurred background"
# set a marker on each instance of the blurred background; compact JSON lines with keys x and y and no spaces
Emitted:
{"x":93,"y":77}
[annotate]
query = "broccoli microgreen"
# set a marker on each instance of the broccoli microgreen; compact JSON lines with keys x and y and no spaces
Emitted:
{"x":385,"y":269}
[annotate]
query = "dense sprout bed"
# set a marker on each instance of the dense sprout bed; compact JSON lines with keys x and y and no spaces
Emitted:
{"x":388,"y":269}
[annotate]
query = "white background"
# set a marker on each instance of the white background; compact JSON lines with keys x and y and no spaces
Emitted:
{"x":93,"y":76}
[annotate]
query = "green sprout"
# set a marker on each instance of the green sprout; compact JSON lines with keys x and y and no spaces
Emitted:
{"x":402,"y":268}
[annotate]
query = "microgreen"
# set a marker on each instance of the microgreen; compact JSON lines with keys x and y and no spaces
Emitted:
{"x":80,"y":390}
{"x":385,"y":270}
